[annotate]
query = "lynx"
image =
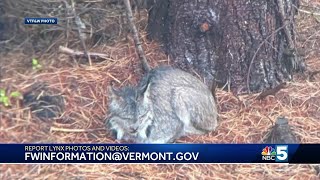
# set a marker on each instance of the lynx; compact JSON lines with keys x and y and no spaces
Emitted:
{"x":167,"y":104}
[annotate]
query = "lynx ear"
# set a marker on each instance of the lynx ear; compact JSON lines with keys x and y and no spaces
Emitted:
{"x":144,"y":87}
{"x":145,"y":94}
{"x":113,"y":93}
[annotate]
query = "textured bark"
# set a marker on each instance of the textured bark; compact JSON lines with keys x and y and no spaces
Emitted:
{"x":237,"y":43}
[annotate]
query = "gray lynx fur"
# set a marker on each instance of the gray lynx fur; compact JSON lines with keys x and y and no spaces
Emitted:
{"x":167,"y":104}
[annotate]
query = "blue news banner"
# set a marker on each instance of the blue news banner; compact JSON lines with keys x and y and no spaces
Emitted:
{"x":159,"y":153}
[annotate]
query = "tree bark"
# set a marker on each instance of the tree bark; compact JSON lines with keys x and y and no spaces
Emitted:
{"x":247,"y":46}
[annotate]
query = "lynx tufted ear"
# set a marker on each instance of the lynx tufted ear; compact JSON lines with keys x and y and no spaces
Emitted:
{"x":114,"y":96}
{"x":111,"y":91}
{"x":145,"y":94}
{"x":144,"y":89}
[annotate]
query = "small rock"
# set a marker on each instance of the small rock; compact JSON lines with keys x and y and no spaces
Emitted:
{"x":281,"y":133}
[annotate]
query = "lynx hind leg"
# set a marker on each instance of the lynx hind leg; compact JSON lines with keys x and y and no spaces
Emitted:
{"x":197,"y":112}
{"x":159,"y":133}
{"x":165,"y":137}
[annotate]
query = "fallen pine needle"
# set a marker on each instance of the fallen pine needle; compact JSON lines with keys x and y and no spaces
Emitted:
{"x":75,"y":130}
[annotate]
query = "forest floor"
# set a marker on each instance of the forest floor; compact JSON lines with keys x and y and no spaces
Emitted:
{"x":84,"y":89}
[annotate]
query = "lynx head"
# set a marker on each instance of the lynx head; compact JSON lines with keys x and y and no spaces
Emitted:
{"x":129,"y":115}
{"x":122,"y":110}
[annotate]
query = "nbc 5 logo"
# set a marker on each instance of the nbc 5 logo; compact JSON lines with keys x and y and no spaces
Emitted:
{"x":282,"y":153}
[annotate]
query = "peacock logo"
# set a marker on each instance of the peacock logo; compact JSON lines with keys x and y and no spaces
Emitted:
{"x":268,"y":151}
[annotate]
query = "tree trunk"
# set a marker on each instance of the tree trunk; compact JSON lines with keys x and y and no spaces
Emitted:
{"x":247,"y":46}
